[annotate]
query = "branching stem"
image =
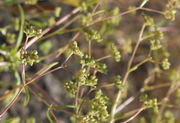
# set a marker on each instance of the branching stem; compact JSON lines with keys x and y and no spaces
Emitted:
{"x":118,"y":97}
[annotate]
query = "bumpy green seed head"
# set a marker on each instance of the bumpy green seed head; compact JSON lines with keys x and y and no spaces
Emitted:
{"x":91,"y":34}
{"x":71,"y":87}
{"x":155,"y":44}
{"x":115,"y":53}
{"x":75,"y":49}
{"x":149,"y":102}
{"x":29,"y":57}
{"x":148,"y":20}
{"x":165,"y":64}
{"x":31,"y":30}
{"x":86,"y":60}
{"x":86,"y":19}
{"x":82,"y":76}
{"x":97,"y":109}
{"x":170,"y":14}
{"x":118,"y":82}
{"x":170,"y":9}
{"x":173,"y":4}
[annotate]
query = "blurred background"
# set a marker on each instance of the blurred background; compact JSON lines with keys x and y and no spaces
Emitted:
{"x":124,"y":34}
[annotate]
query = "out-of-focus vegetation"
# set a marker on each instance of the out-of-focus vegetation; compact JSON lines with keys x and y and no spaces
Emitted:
{"x":89,"y":61}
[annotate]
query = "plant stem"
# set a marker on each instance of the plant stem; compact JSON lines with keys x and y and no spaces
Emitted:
{"x":10,"y":92}
{"x":89,"y":48}
{"x":171,"y":90}
{"x":131,"y":118}
{"x":11,"y":103}
{"x":139,"y":64}
{"x":104,"y":57}
{"x":124,"y":104}
{"x":118,"y":97}
{"x":125,"y":13}
{"x":20,"y":36}
{"x":152,"y":10}
{"x":62,"y":29}
{"x":29,"y":82}
{"x":24,"y":66}
{"x":60,"y":21}
{"x":23,"y":74}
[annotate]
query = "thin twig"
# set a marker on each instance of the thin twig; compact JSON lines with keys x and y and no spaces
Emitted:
{"x":127,"y":12}
{"x":65,"y":47}
{"x":171,"y":90}
{"x":27,"y":83}
{"x":135,"y":115}
{"x":54,"y":116}
{"x":123,"y":105}
{"x":114,"y":107}
{"x":60,"y":21}
{"x":104,"y":57}
{"x":46,"y":93}
{"x":11,"y":103}
{"x":62,"y":29}
{"x":10,"y":92}
{"x":50,"y":71}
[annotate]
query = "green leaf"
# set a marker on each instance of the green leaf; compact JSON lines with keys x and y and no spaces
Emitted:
{"x":10,"y":1}
{"x":46,"y":68}
{"x":22,"y":19}
{"x":38,"y":24}
{"x":91,"y":2}
{"x":12,"y":120}
{"x":7,"y":121}
{"x":71,"y":2}
{"x":62,"y":107}
{"x":27,"y":96}
{"x":49,"y":117}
